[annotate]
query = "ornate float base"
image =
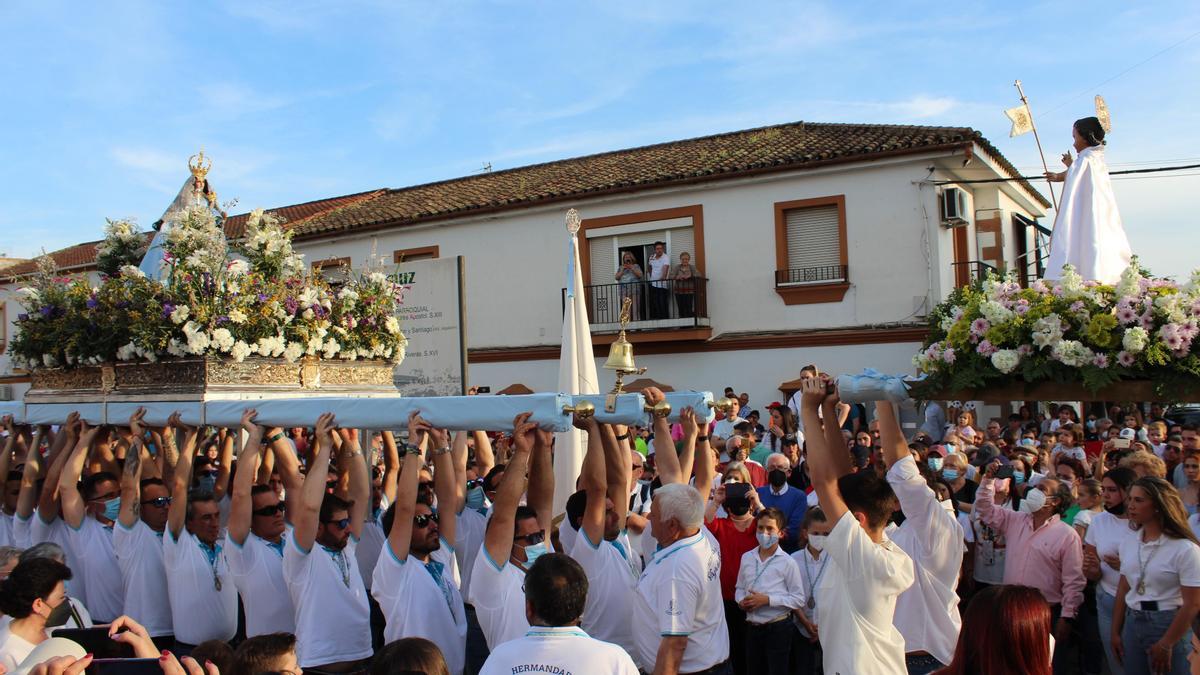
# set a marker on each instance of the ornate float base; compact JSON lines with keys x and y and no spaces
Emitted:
{"x":209,"y":379}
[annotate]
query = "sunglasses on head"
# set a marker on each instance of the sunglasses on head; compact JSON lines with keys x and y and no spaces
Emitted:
{"x":422,"y":521}
{"x":341,"y":524}
{"x":532,"y":538}
{"x":271,"y":510}
{"x":474,"y":483}
{"x":160,"y":502}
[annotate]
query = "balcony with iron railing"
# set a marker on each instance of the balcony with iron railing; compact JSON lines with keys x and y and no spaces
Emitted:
{"x":970,"y":271}
{"x":810,"y":285}
{"x":657,"y":305}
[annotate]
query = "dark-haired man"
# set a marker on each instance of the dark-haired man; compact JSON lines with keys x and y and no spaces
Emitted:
{"x":556,"y":590}
{"x":659,"y":266}
{"x":867,"y":572}
{"x":137,"y":537}
{"x":257,"y":533}
{"x":333,"y":626}
{"x":270,"y":653}
{"x":203,"y":596}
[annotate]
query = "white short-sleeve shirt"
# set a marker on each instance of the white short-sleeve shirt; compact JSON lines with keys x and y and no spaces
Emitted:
{"x":470,"y":530}
{"x":92,"y":554}
{"x":257,"y":570}
{"x":564,"y":649}
{"x":22,"y":531}
{"x":6,"y":529}
{"x":333,"y":621}
{"x":612,"y":580}
{"x":679,"y":594}
{"x":1169,"y":563}
{"x":858,"y":596}
{"x":416,"y":604}
{"x":369,"y":547}
{"x":498,"y":599}
{"x":1108,"y":534}
{"x":203,"y":595}
{"x":55,"y":531}
{"x":139,"y":552}
{"x":13,"y":648}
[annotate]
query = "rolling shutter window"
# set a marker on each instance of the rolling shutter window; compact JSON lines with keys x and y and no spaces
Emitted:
{"x":812,"y":237}
{"x":640,"y":239}
{"x":603,"y":259}
{"x":682,"y":240}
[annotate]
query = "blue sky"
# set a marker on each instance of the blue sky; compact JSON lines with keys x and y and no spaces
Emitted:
{"x":305,"y":100}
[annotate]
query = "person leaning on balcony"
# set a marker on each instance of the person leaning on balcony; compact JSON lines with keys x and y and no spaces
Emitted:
{"x":660,"y":291}
{"x":630,"y":276}
{"x":685,"y":286}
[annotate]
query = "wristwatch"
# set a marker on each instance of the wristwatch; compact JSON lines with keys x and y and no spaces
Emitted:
{"x":702,"y":438}
{"x":275,"y":437}
{"x":623,"y":437}
{"x":441,"y":451}
{"x":410,"y":449}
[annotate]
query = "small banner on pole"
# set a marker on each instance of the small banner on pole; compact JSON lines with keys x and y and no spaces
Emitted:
{"x":1022,"y":121}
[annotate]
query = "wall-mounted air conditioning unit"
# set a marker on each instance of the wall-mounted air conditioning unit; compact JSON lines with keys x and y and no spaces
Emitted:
{"x":954,"y":207}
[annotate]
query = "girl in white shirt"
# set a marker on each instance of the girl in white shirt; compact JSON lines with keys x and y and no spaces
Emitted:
{"x":1102,"y":542}
{"x":1159,"y":592}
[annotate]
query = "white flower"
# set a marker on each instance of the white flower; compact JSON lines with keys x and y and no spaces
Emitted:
{"x":237,"y":316}
{"x":947,"y":323}
{"x":180,"y":314}
{"x":238,"y":267}
{"x":1072,"y":353}
{"x":307,"y":296}
{"x":198,"y":342}
{"x":223,"y":339}
{"x":132,"y":271}
{"x":254,"y":218}
{"x":175,"y":348}
{"x":293,"y":351}
{"x":392,"y":325}
{"x":313,"y":346}
{"x":378,"y":277}
{"x":1070,"y":282}
{"x":127,"y":352}
{"x":1130,"y":283}
{"x":1006,"y":360}
{"x":995,"y":312}
{"x":347,"y":294}
{"x":240,"y":351}
{"x":1047,"y":330}
{"x":1135,"y":339}
{"x":330,"y":348}
{"x":30,"y":293}
{"x":307,"y":314}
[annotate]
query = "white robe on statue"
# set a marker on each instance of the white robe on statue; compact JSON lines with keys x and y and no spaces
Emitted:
{"x":1087,"y":228}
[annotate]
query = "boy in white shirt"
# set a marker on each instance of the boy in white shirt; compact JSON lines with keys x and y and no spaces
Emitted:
{"x":812,"y":562}
{"x":867,"y":572}
{"x":769,"y":587}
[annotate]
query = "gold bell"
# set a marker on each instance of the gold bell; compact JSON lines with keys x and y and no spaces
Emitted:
{"x":620,"y":355}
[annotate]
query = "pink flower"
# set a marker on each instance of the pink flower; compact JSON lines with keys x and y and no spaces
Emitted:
{"x":1057,"y":291}
{"x":1148,"y":320}
{"x":986,"y":348}
{"x":1125,"y":359}
{"x":1100,"y":361}
{"x":948,"y":356}
{"x":1021,"y":307}
{"x":1171,"y":337}
{"x":1188,"y":331}
{"x":1025,"y":350}
{"x":1077,"y":306}
{"x":980,"y":326}
{"x":1040,"y":287}
{"x":1126,"y":315}
{"x":1196,"y":307}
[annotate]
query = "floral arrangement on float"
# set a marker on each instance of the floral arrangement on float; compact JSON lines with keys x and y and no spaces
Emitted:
{"x":997,"y":333}
{"x":216,"y":300}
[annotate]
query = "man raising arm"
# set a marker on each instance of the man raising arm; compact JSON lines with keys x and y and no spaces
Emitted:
{"x":89,"y":508}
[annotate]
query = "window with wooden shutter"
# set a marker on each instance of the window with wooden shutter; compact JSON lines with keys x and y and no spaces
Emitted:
{"x":810,"y":239}
{"x":603,"y":259}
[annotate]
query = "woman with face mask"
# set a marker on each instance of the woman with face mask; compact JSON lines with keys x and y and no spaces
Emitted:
{"x":1108,"y":531}
{"x":954,"y":472}
{"x":735,"y":534}
{"x":1069,"y":472}
{"x":31,"y":595}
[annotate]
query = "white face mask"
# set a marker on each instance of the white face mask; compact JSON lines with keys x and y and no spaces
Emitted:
{"x":1034,"y":500}
{"x":767,"y":540}
{"x":817,"y":541}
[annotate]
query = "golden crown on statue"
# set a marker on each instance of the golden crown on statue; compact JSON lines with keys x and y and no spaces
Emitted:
{"x":200,"y":164}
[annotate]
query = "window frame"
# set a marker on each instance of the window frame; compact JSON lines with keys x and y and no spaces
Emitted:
{"x":401,"y":254}
{"x":815,"y":292}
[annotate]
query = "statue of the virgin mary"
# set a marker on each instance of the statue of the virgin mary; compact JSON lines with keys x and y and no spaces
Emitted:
{"x":195,"y":192}
{"x":1087,"y":228}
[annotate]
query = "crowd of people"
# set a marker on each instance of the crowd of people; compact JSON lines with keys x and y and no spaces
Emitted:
{"x":817,"y":537}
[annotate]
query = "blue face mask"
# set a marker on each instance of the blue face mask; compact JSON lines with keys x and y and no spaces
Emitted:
{"x":534,"y":552}
{"x":475,"y":498}
{"x":1018,"y":477}
{"x":934,"y":463}
{"x":950,"y":474}
{"x":112,"y":508}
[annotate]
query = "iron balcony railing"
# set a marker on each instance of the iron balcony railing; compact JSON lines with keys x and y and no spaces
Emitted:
{"x":826,"y":274}
{"x":672,"y":303}
{"x":971,"y":270}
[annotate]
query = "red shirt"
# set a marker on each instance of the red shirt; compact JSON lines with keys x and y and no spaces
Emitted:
{"x":733,"y":544}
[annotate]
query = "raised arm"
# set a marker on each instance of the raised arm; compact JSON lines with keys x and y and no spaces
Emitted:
{"x":666,"y":460}
{"x":289,"y":469}
{"x":68,"y":482}
{"x":225,"y":459}
{"x":822,"y":469}
{"x":541,"y":481}
{"x":704,"y":462}
{"x":391,"y":466}
{"x":400,"y":536}
{"x":169,"y":453}
{"x":498,"y":540}
{"x":446,"y":486}
{"x":27,"y":495}
{"x":593,"y":478}
{"x":131,"y":473}
{"x":691,"y":432}
{"x":890,"y":435}
{"x":241,"y":508}
{"x":64,"y":445}
{"x":181,"y":477}
{"x":485,"y":459}
{"x":834,"y":441}
{"x":616,"y":472}
{"x":312,"y":493}
{"x":352,"y":462}
{"x":10,"y":444}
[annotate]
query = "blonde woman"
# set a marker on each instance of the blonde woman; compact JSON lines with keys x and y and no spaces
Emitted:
{"x":630,"y":277}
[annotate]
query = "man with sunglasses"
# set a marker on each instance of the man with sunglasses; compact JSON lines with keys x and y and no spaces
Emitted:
{"x":414,"y":580}
{"x":137,"y":537}
{"x":333,"y":627}
{"x":203,"y":596}
{"x":89,"y":509}
{"x":516,"y":535}
{"x":257,"y":532}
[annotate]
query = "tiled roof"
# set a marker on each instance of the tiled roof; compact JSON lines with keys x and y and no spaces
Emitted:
{"x":69,"y":259}
{"x":300,"y":213}
{"x":783,"y":147}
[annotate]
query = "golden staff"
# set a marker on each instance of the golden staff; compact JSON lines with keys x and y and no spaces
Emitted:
{"x":1033,"y":126}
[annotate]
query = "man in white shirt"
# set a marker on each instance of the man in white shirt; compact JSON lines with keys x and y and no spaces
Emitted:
{"x":89,"y":509}
{"x":415,"y":590}
{"x":137,"y":538}
{"x":602,"y":547}
{"x":843,"y":409}
{"x":556,"y":589}
{"x":927,"y":613}
{"x":202,"y":594}
{"x":812,"y":562}
{"x":660,"y":293}
{"x":769,"y":586}
{"x":723,"y":429}
{"x":333,"y":627}
{"x":256,"y":533}
{"x":867,"y":572}
{"x":678,"y":615}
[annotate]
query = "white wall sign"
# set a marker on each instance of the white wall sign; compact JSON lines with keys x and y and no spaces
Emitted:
{"x":433,"y":318}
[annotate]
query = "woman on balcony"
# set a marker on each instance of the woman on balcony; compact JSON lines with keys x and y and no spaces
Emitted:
{"x":685,"y":287}
{"x":630,"y":277}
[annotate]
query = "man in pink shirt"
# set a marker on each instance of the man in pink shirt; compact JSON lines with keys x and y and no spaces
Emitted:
{"x":1043,"y":551}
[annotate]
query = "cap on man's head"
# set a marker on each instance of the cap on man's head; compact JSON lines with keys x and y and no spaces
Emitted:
{"x":1128,"y":434}
{"x":937,"y":451}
